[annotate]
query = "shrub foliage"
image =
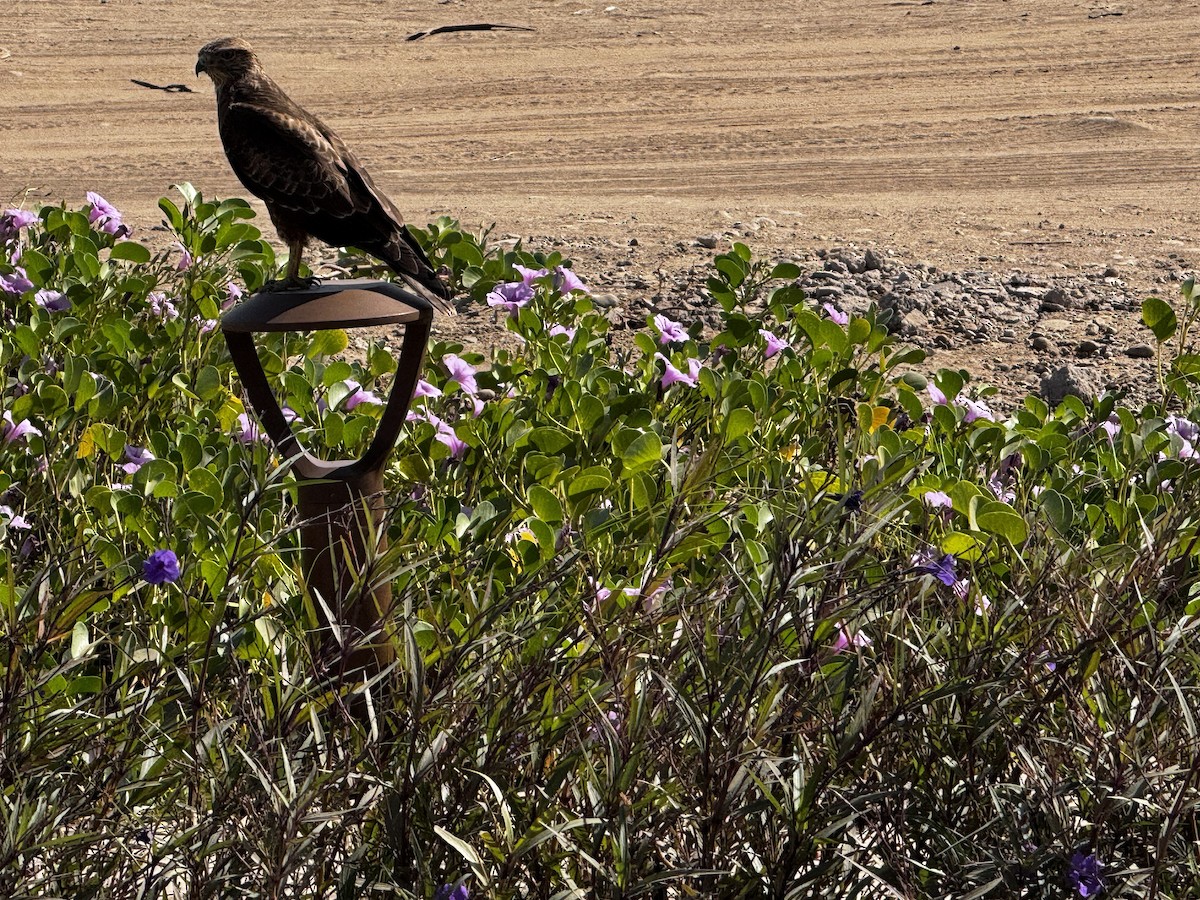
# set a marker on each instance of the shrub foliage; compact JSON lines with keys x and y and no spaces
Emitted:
{"x":759,"y":613}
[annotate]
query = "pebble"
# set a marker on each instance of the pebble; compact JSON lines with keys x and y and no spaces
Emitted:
{"x":708,"y":241}
{"x":1085,"y":349}
{"x":1040,"y":343}
{"x":1068,"y":381}
{"x":1140,"y":351}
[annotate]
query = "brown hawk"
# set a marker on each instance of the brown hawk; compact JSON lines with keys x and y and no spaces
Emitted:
{"x":313,"y":186}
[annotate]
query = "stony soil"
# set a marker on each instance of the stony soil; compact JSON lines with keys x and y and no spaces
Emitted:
{"x":1023,"y":171}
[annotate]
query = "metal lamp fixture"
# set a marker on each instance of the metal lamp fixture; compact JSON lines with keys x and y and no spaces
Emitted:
{"x":341,"y":502}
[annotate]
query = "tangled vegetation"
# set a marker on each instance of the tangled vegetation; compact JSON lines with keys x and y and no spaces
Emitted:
{"x":761,"y":613}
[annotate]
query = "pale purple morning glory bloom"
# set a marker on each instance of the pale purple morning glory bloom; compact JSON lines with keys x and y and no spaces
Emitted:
{"x":510,"y":297}
{"x":13,"y":432}
{"x":423,"y":415}
{"x":357,"y":395}
{"x":936,"y":394}
{"x":528,"y":276}
{"x":836,"y":314}
{"x":16,"y":283}
{"x":670,"y":330}
{"x":452,"y":892}
{"x":161,"y":567}
{"x":556,"y":330}
{"x":566,"y":281}
{"x":1086,"y":874}
{"x":290,"y":415}
{"x":673,"y":375}
{"x":162,"y":306}
{"x":962,"y":590}
{"x":136,"y":458}
{"x":940,"y":567}
{"x":104,"y":216}
{"x":52,"y":301}
{"x":233,"y":294}
{"x":13,"y":220}
{"x":1188,"y":430}
{"x":425,"y":389}
{"x":845,"y":639}
{"x":478,"y":405}
{"x":461,"y":371}
{"x":248,"y":431}
{"x":774,"y":342}
{"x":937,"y":499}
{"x":205,"y":325}
{"x":976,"y":409}
{"x":185,"y":260}
{"x":1112,"y":427}
{"x":14,"y":520}
{"x":446,"y":435}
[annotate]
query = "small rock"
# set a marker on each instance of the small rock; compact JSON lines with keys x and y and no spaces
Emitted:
{"x":913,"y":321}
{"x":1039,"y":342}
{"x":1068,"y":381}
{"x":605,"y":301}
{"x":1085,"y":349}
{"x":1140,"y":351}
{"x":871,"y":261}
{"x":708,"y":241}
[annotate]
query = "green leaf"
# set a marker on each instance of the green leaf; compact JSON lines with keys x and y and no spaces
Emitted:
{"x":1001,"y":520}
{"x":327,"y":343}
{"x":587,"y":482}
{"x":1159,"y":317}
{"x":643,"y":452}
{"x":739,"y":422}
{"x":131,"y":251}
{"x":545,"y":505}
{"x":786,"y":270}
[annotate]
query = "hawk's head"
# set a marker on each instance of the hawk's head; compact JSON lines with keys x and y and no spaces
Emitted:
{"x":226,"y":59}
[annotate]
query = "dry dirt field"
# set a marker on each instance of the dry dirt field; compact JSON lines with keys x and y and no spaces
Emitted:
{"x":1048,"y":137}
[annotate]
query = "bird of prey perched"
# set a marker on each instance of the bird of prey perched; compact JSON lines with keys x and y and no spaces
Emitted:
{"x":313,"y":186}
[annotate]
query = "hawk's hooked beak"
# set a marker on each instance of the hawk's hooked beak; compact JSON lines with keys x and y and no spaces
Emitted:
{"x":200,"y":67}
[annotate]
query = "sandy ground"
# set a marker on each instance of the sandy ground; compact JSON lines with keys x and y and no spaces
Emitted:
{"x":1034,"y":135}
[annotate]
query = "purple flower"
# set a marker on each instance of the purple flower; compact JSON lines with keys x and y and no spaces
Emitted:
{"x":836,"y":314}
{"x":1086,"y":874}
{"x":936,"y":394}
{"x":673,"y":375}
{"x":1186,"y":429}
{"x":425,"y":389}
{"x":357,"y":395}
{"x":14,"y":520}
{"x":446,"y":435}
{"x":185,"y":260}
{"x":52,"y":301}
{"x":461,"y":371}
{"x":248,"y":431}
{"x":670,"y":330}
{"x":162,"y":306}
{"x":13,"y":220}
{"x":161,"y":567}
{"x":937,"y":499}
{"x":452,"y":892}
{"x":566,"y":281}
{"x":104,"y":216}
{"x":774,"y":342}
{"x":233,"y":293}
{"x":846,"y":639}
{"x":204,"y":326}
{"x":556,"y":330}
{"x":510,"y":297}
{"x":528,"y":276}
{"x":941,"y":568}
{"x":290,"y":415}
{"x":976,"y":409}
{"x":16,"y":283}
{"x":136,"y":457}
{"x":12,"y":433}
